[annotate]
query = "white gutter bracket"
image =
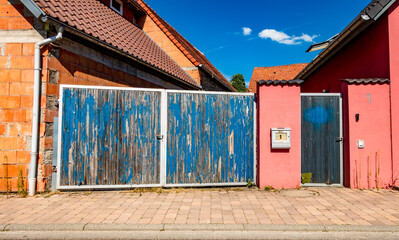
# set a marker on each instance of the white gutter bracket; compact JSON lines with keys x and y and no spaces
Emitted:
{"x":36,"y":111}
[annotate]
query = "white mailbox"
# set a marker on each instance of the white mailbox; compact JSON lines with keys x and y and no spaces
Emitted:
{"x":281,"y":138}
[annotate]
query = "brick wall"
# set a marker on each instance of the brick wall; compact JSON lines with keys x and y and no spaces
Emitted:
{"x":16,"y":96}
{"x":60,"y":65}
{"x":158,"y":36}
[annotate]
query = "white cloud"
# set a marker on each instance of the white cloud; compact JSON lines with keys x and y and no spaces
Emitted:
{"x":246,"y":31}
{"x":284,"y":38}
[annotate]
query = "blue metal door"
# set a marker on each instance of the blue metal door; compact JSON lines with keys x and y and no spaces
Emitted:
{"x":321,"y":139}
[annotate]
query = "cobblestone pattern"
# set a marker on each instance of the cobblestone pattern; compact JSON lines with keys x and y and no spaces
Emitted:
{"x":204,"y":206}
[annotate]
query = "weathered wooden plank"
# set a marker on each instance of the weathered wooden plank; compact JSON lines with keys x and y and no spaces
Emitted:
{"x":210,"y":138}
{"x":109,"y":137}
{"x":320,"y":129}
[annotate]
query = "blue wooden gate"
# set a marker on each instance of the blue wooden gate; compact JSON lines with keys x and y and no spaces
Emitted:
{"x":210,"y":138}
{"x":125,"y":138}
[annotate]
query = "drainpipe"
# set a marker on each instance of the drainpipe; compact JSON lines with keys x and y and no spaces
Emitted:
{"x":36,"y":110}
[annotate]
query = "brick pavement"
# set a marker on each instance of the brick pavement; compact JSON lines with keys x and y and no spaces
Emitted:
{"x":326,"y":206}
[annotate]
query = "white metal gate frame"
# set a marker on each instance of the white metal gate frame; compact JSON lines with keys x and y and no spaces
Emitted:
{"x":163,"y":144}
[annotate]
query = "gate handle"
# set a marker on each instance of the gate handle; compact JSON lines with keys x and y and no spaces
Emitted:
{"x":339,"y":139}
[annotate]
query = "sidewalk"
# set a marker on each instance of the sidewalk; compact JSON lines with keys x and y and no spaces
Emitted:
{"x":313,"y":206}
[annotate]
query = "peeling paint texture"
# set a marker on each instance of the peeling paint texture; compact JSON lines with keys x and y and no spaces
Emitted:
{"x":109,"y":137}
{"x":210,"y":138}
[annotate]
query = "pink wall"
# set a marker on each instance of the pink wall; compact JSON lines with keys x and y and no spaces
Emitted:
{"x":393,"y":22}
{"x":366,"y":57}
{"x":279,"y":106}
{"x":370,"y":167}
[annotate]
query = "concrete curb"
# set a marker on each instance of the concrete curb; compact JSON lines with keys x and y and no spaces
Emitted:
{"x":197,"y":227}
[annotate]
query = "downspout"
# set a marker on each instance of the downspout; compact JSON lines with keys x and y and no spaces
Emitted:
{"x":36,"y":110}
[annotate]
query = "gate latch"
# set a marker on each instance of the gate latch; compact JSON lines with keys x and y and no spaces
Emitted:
{"x":159,"y":137}
{"x":339,"y":139}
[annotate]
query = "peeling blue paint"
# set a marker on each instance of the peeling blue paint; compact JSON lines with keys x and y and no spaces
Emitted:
{"x":210,"y":138}
{"x":109,"y":137}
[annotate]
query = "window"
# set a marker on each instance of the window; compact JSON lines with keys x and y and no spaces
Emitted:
{"x":117,"y":5}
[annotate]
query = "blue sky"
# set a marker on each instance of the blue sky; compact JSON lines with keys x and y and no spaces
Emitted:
{"x":276,"y":32}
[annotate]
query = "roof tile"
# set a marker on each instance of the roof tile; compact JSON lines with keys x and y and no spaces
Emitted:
{"x":284,"y":72}
{"x":95,"y":19}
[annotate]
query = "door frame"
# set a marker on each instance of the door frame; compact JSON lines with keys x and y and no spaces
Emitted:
{"x":341,"y":147}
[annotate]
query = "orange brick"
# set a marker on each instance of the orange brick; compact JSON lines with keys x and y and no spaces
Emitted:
{"x":4,"y":89}
{"x":10,"y":101}
{"x":27,"y":75}
{"x":46,"y":143}
{"x":28,"y":49}
{"x":55,"y":64}
{"x":13,"y":48}
{"x":23,"y":157}
{"x":49,"y":115}
{"x":4,"y":62}
{"x":3,"y":23}
{"x":12,"y":143}
{"x":12,"y":115}
{"x":3,"y":129}
{"x":24,"y":89}
{"x":20,"y":23}
{"x":13,"y":75}
{"x":8,"y":157}
{"x":11,"y":10}
{"x":47,"y":170}
{"x":10,"y":184}
{"x":52,"y":89}
{"x":25,"y":129}
{"x":22,"y":62}
{"x":13,"y":129}
{"x":12,"y":170}
{"x":41,"y":184}
{"x":29,"y":115}
{"x":42,"y":129}
{"x":26,"y":101}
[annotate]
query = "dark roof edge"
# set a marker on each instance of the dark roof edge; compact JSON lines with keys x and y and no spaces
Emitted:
{"x":366,"y":17}
{"x":118,"y":51}
{"x":366,"y":80}
{"x":213,"y":75}
{"x":33,"y":8}
{"x":280,"y":82}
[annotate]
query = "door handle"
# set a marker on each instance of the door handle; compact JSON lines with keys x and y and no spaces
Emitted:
{"x":339,"y":139}
{"x":159,"y":137}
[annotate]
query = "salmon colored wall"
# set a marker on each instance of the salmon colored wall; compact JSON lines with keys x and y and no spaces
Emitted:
{"x":279,"y":106}
{"x":367,"y":56}
{"x":370,"y":167}
{"x":393,"y":22}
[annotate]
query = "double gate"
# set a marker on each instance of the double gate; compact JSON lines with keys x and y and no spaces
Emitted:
{"x":127,"y":137}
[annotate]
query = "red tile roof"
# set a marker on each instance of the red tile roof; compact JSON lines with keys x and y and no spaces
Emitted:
{"x":193,"y":54}
{"x":99,"y":21}
{"x":284,"y":72}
